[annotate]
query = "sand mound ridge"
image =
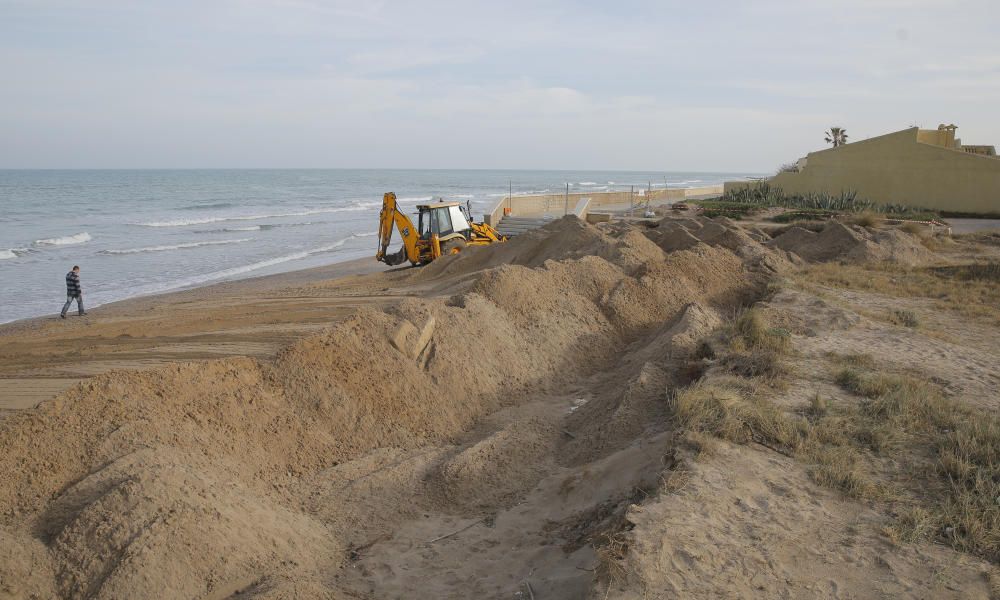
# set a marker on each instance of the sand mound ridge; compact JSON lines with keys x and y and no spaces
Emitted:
{"x":672,"y":234}
{"x":203,"y":479}
{"x":855,"y":244}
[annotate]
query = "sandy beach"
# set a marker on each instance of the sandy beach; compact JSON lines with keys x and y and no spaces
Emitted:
{"x":622,"y":411}
{"x":43,"y":356}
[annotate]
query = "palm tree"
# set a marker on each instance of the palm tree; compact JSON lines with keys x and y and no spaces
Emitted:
{"x":836,"y":136}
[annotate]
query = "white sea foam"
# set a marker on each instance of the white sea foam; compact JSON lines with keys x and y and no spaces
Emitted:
{"x":314,"y":211}
{"x":174,"y":247}
{"x":516,"y":194}
{"x":7,"y":254}
{"x":261,"y":227}
{"x":463,"y":195}
{"x":270,"y":262}
{"x":588,"y":183}
{"x":65,"y":241}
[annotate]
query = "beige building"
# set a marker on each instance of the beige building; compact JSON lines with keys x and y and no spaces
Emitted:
{"x":927,"y":168}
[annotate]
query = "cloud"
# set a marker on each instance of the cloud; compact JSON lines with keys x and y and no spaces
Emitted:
{"x":636,"y":84}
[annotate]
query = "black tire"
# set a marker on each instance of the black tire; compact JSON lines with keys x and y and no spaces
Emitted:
{"x":453,"y":246}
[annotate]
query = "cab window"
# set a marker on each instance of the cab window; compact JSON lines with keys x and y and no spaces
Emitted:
{"x":437,"y":221}
{"x":440,"y":221}
{"x":458,"y":221}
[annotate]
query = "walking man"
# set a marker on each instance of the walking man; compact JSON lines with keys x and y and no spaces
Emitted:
{"x":73,"y":291}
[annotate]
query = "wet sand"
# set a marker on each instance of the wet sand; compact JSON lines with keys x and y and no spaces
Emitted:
{"x":41,"y":357}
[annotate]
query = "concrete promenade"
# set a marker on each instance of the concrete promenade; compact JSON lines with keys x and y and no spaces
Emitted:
{"x":557,"y":205}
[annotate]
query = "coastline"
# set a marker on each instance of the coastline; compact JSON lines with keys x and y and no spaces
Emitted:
{"x":148,"y":232}
{"x":43,"y":356}
{"x":353,"y":266}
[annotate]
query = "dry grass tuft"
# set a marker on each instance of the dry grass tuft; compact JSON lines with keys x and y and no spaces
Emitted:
{"x":901,"y":417}
{"x":731,"y":414}
{"x":818,"y":406}
{"x":704,"y":350}
{"x":865,"y":219}
{"x":762,"y":363}
{"x":902,"y":440}
{"x":861,"y":360}
{"x":912,"y":525}
{"x":700,"y":443}
{"x":869,"y":385}
{"x":751,"y":332}
{"x":674,"y":480}
{"x":841,"y":468}
{"x":755,"y":349}
{"x":913,"y":228}
{"x":989,"y":271}
{"x":611,"y":550}
{"x":970,"y":463}
{"x":906,"y":318}
{"x":993,"y":576}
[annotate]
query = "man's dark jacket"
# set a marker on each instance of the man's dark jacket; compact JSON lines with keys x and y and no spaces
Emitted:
{"x":73,"y":289}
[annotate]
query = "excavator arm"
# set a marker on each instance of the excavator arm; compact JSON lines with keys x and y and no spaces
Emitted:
{"x":487,"y":231}
{"x":482,"y":230}
{"x":391,"y":217}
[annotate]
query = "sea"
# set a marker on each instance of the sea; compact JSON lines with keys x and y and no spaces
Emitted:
{"x":142,"y":232}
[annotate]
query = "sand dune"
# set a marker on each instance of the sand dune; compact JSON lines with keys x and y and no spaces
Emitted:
{"x":469,"y":429}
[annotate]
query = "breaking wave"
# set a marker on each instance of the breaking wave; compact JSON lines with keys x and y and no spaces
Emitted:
{"x":65,"y":241}
{"x":301,"y":213}
{"x":270,"y":262}
{"x":174,"y":247}
{"x":207,"y":206}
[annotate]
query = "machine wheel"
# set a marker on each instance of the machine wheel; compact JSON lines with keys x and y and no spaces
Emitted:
{"x":453,"y":246}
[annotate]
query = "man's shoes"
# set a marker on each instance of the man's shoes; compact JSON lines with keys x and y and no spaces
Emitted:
{"x":63,"y":316}
{"x":83,"y":314}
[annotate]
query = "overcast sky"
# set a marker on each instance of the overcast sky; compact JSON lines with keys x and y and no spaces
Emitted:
{"x":709,"y":86}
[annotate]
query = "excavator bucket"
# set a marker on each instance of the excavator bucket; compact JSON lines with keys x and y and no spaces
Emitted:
{"x":396,"y":258}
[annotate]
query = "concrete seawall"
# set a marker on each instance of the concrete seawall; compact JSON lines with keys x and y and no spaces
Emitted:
{"x":558,"y":205}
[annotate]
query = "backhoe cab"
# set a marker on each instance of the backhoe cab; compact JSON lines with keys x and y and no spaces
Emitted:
{"x":442,"y":228}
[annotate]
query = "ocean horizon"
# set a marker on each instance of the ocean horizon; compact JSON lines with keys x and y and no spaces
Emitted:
{"x":137,"y":232}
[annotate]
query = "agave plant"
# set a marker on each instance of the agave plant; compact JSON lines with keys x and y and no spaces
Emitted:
{"x":762,"y":193}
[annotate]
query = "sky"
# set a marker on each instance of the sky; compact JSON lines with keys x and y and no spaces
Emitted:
{"x":546,"y":84}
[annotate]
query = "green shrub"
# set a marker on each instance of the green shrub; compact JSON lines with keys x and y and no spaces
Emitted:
{"x":762,"y":193}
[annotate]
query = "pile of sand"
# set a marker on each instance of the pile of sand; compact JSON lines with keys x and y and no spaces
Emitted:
{"x":855,"y":244}
{"x":239,"y":474}
{"x":193,"y":473}
{"x":564,"y":238}
{"x":672,"y":234}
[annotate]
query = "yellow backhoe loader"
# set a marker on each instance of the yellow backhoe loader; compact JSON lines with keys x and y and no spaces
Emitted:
{"x":442,"y":228}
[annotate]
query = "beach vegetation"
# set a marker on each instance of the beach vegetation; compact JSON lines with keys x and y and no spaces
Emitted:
{"x":890,"y":437}
{"x":763,"y":194}
{"x":906,"y":318}
{"x":969,"y":290}
{"x":755,"y":349}
{"x":932,"y":461}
